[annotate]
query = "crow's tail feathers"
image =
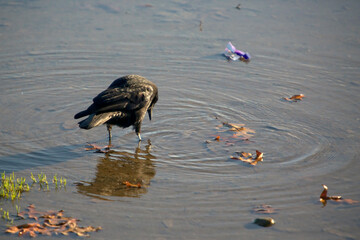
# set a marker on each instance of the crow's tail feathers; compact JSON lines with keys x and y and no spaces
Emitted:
{"x":82,"y":114}
{"x":94,"y":120}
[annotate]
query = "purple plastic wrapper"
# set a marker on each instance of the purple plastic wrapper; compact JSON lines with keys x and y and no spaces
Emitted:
{"x":234,"y":54}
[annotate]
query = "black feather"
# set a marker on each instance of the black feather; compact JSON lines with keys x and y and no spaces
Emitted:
{"x":123,"y":103}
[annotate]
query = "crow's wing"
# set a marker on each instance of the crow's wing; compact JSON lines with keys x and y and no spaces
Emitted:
{"x":123,"y":99}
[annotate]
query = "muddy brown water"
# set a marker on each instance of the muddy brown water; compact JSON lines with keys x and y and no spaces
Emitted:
{"x":56,"y":56}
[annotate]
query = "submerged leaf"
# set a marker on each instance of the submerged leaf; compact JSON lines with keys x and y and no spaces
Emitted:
{"x":34,"y":214}
{"x":349,"y":201}
{"x":233,"y":126}
{"x":264,"y":209}
{"x":54,"y":222}
{"x":97,"y":148}
{"x":239,"y":132}
{"x":128,"y":184}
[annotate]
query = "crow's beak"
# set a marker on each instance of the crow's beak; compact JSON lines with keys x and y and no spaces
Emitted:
{"x":150,"y":113}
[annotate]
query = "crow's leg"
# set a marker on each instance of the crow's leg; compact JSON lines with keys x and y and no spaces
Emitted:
{"x":109,"y":127}
{"x":139,"y":136}
{"x":137,"y":128}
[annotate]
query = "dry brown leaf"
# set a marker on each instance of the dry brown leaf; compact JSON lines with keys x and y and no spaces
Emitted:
{"x":245,"y":154}
{"x":323,"y":194}
{"x":324,"y":197}
{"x":247,"y":157}
{"x":295,"y":98}
{"x":12,"y":229}
{"x":28,"y":228}
{"x":54,"y":222}
{"x":254,"y":162}
{"x":34,"y":214}
{"x":259,"y":156}
{"x":247,"y":160}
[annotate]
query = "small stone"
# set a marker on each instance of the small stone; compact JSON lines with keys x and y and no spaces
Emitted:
{"x":264,"y":222}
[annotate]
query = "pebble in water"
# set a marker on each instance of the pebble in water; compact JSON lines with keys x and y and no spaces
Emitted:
{"x":264,"y":222}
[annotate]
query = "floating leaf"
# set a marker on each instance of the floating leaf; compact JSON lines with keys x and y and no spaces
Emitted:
{"x":128,"y":184}
{"x":324,"y":197}
{"x":247,"y":160}
{"x":245,"y":154}
{"x":295,"y":98}
{"x":247,"y":157}
{"x":259,"y":157}
{"x":323,"y":194}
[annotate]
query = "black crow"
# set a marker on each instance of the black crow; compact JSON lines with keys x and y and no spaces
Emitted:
{"x":124,"y":103}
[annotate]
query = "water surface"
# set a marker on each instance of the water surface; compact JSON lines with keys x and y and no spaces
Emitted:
{"x":55,"y":57}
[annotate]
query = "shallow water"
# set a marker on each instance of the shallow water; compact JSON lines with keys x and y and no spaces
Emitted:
{"x":55,"y":57}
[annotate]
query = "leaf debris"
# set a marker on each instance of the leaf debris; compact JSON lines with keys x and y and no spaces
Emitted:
{"x":97,"y":148}
{"x":53,"y":222}
{"x":248,"y":158}
{"x":295,"y":98}
{"x":129,"y":184}
{"x":324,"y":197}
{"x":238,"y":132}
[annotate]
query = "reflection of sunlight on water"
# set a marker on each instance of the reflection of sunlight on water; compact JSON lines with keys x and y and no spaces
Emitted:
{"x":117,"y":167}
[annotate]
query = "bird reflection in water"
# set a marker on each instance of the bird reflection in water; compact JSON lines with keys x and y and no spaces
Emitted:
{"x":118,"y":167}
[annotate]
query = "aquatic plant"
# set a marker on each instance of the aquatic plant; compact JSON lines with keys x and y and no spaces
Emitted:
{"x":63,"y":181}
{"x":11,"y":187}
{"x":33,"y":178}
{"x":59,"y":183}
{"x":6,"y":215}
{"x":17,"y":209}
{"x":42,"y":180}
